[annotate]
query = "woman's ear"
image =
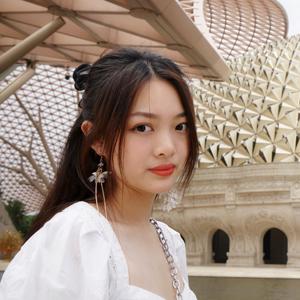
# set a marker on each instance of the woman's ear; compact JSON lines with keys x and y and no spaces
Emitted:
{"x":86,"y":127}
{"x":97,"y":146}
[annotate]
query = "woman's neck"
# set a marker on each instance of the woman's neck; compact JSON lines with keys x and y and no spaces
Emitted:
{"x":128,"y":207}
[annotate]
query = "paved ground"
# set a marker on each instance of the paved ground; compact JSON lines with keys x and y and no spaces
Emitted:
{"x":241,"y":288}
{"x":242,"y":272}
{"x":239,"y":283}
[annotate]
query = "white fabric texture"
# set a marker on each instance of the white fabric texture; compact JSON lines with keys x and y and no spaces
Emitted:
{"x":77,"y":256}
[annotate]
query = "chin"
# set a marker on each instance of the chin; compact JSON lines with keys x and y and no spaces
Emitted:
{"x":164,"y":189}
{"x":156,"y":186}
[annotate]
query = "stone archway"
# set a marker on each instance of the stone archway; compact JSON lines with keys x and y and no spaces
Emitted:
{"x":275,"y":247}
{"x":220,"y":246}
{"x":258,"y":225}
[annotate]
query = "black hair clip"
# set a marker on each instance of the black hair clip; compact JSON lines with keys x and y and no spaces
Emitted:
{"x":80,"y":76}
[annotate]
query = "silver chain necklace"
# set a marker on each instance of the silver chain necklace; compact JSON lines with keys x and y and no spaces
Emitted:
{"x":169,"y":258}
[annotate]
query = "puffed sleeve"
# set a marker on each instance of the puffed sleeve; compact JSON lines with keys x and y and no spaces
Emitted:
{"x":67,"y":259}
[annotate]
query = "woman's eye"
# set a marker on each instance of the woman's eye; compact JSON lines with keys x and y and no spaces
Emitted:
{"x":181,"y":127}
{"x":142,"y":128}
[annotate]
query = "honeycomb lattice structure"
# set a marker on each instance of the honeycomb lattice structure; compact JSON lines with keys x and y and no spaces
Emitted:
{"x":254,"y":116}
{"x":34,"y":124}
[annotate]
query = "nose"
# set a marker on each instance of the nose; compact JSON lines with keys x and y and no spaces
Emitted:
{"x":164,"y":145}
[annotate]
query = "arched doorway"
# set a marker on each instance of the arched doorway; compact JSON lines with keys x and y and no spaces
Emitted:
{"x":220,"y":246}
{"x":275,"y":247}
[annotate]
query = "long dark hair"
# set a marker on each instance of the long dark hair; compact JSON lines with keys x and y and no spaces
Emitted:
{"x":110,"y":85}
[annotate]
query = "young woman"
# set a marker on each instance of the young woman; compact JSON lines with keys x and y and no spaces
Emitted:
{"x":94,"y":238}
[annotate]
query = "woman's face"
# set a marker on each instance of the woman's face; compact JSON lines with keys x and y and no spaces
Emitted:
{"x":156,"y":139}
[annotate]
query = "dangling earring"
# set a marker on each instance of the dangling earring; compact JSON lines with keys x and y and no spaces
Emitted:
{"x":99,"y":176}
{"x":171,"y":199}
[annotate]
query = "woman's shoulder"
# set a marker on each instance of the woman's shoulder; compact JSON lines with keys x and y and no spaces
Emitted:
{"x":66,"y":236}
{"x":63,"y":259}
{"x":78,"y":212}
{"x":80,"y":209}
{"x":165,"y":227}
{"x":73,"y":222}
{"x":172,"y":234}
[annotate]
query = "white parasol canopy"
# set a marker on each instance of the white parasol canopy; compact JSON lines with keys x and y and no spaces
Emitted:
{"x":92,"y":27}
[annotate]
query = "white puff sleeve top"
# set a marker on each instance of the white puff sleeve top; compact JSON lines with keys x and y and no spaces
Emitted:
{"x":77,"y":256}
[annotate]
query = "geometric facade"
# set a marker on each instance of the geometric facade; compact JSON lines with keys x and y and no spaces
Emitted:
{"x":254,"y":116}
{"x":240,"y":26}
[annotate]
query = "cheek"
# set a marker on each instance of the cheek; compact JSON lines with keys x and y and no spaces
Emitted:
{"x":136,"y":147}
{"x":183,"y":148}
{"x":132,"y":152}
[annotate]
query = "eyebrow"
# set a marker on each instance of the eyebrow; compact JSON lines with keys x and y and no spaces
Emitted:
{"x":153,"y":116}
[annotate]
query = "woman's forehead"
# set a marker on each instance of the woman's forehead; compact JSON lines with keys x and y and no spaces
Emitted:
{"x":157,"y":95}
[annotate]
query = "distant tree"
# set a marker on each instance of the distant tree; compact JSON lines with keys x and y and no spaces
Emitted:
{"x":16,"y":211}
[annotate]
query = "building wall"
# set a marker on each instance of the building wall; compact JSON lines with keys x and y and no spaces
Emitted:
{"x":245,"y":202}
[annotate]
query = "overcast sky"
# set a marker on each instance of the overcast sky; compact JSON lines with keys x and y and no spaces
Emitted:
{"x":292,"y":7}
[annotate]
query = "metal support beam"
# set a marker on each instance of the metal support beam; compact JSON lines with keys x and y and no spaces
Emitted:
{"x":50,"y":46}
{"x":16,"y":84}
{"x":75,"y":18}
{"x":7,"y":72}
{"x":18,"y":51}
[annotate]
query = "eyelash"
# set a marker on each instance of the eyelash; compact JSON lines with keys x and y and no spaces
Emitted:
{"x":139,"y":126}
{"x":135,"y":128}
{"x":185,"y":124}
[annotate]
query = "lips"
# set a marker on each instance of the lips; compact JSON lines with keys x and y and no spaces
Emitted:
{"x":163,"y":170}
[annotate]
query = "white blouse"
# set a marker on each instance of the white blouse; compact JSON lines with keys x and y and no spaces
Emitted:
{"x":77,"y":256}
